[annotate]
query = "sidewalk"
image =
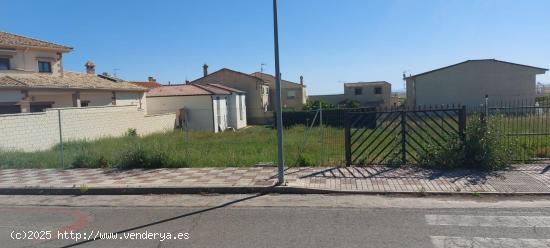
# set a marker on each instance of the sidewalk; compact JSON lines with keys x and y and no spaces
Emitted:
{"x":533,"y":179}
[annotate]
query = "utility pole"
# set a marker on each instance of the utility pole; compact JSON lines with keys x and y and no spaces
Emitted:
{"x":278,"y":107}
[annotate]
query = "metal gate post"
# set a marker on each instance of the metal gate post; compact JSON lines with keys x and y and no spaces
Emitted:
{"x":347,"y":138}
{"x":403,"y":137}
{"x":62,"y":156}
{"x":462,"y":122}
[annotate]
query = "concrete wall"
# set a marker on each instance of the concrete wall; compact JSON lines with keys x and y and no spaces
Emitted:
{"x":40,"y":131}
{"x":199,"y":109}
{"x":468,"y":83}
{"x":27,"y":60}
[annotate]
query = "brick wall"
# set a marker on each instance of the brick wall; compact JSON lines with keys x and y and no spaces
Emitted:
{"x":40,"y":131}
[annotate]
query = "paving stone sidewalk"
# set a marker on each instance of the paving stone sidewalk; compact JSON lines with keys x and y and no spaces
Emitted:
{"x":522,"y":179}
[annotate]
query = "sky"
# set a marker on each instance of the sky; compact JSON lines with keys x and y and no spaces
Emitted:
{"x":328,"y":42}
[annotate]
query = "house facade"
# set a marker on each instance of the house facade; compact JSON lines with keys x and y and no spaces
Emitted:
{"x":367,"y":94}
{"x":293,"y":94}
{"x":210,"y":107}
{"x":32,"y":79}
{"x":258,"y":109}
{"x":468,"y":82}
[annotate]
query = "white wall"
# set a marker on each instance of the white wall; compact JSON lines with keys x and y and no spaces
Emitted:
{"x":100,"y":98}
{"x":61,"y":99}
{"x":130,"y":98}
{"x":220,"y":112}
{"x":199,"y":113}
{"x":40,"y":131}
{"x":11,"y":96}
{"x":236,"y":116}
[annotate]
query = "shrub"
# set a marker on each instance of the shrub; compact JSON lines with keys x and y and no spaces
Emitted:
{"x":131,"y":132}
{"x":87,"y":160}
{"x":314,"y":105}
{"x":304,"y":161}
{"x":141,"y":157}
{"x":350,"y":103}
{"x":485,"y":147}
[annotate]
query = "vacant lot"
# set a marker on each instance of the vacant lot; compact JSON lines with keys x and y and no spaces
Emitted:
{"x":246,"y":147}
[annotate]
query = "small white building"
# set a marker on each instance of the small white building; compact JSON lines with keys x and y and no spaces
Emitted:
{"x":212,"y":107}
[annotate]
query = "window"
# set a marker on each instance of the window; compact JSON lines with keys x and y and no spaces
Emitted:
{"x":377,"y":90}
{"x":84,"y":103}
{"x":44,"y":66}
{"x":9,"y":108}
{"x":4,"y":64}
{"x":40,"y":106}
{"x":358,"y":91}
{"x":290,"y":94}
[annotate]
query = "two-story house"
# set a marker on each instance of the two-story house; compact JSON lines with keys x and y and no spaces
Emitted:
{"x":32,"y":78}
{"x":293,"y":95}
{"x":258,"y":109}
{"x":367,"y":94}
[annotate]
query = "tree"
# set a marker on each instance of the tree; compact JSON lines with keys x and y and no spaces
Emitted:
{"x":314,"y":105}
{"x":351,"y":103}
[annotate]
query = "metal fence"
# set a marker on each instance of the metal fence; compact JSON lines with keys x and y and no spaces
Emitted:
{"x":311,"y":138}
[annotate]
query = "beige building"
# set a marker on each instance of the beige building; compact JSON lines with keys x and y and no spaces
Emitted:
{"x":258,"y":109}
{"x":468,"y":82}
{"x":32,"y":79}
{"x":368,"y":94}
{"x":293,"y":94}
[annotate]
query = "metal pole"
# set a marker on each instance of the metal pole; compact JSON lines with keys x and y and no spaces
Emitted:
{"x":322,"y":133}
{"x":61,"y":138}
{"x":486,"y":105}
{"x":278,"y":107}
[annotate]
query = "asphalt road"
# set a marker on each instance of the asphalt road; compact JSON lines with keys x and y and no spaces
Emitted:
{"x":274,"y":221}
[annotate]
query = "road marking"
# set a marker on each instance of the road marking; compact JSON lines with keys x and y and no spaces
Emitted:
{"x":488,"y":221}
{"x":476,"y":242}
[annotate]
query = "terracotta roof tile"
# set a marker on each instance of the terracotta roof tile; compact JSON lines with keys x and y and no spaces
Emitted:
{"x":191,"y":90}
{"x":148,"y":85}
{"x":69,"y":80}
{"x":270,"y":79}
{"x":14,"y":40}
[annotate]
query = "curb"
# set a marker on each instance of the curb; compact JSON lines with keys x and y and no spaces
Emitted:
{"x":243,"y":190}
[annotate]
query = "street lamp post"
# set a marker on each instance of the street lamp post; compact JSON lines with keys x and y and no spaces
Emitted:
{"x":278,"y":107}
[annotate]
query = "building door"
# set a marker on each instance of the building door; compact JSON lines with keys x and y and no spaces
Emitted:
{"x":221,"y":114}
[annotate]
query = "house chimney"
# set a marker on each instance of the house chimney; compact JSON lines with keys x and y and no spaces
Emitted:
{"x":205,"y":70}
{"x":302,"y":80}
{"x":151,"y":79}
{"x":90,"y":67}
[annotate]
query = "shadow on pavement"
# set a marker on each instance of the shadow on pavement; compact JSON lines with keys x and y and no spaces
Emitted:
{"x":173,"y":218}
{"x":381,"y":172}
